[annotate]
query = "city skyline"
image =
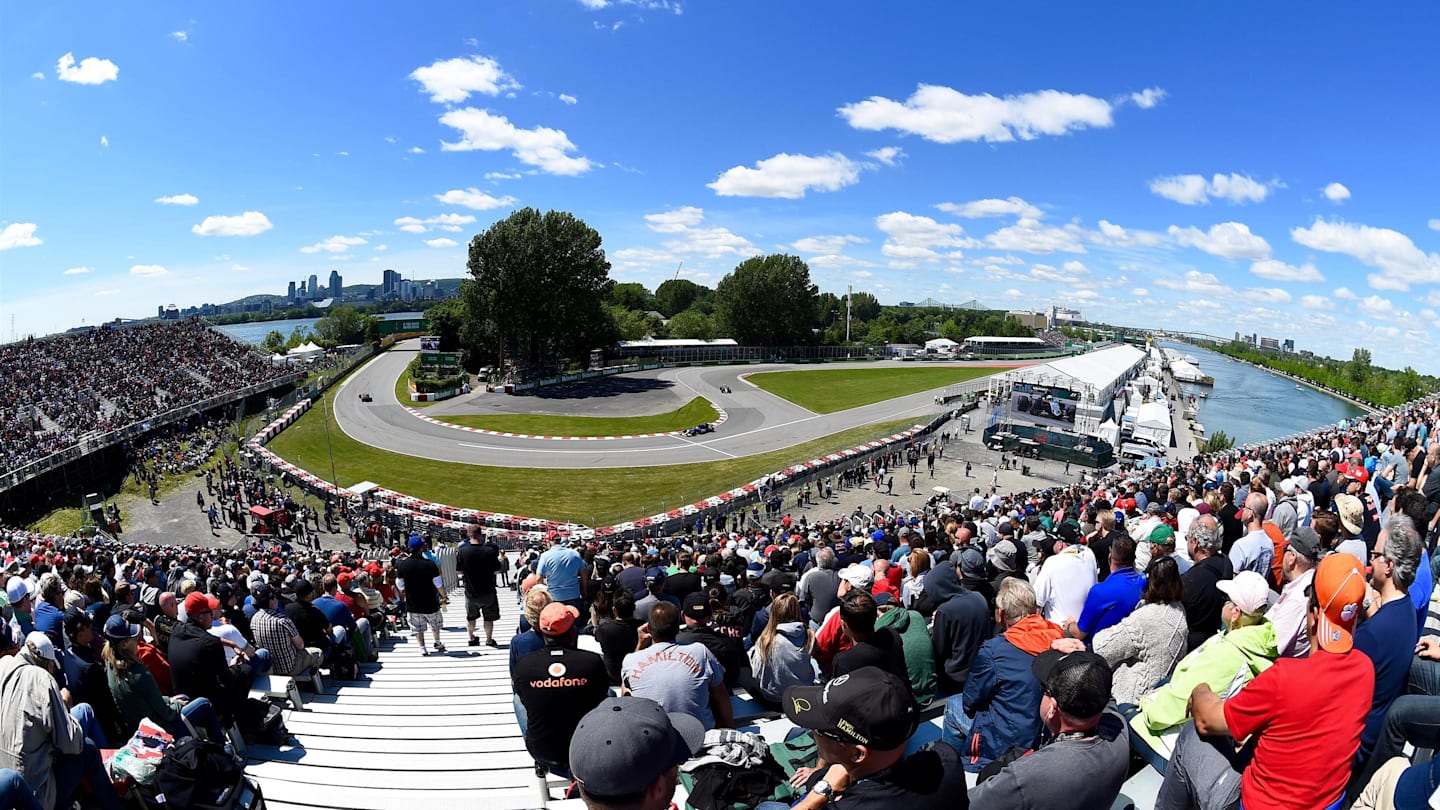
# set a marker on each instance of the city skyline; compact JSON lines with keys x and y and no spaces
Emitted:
{"x":1151,"y":165}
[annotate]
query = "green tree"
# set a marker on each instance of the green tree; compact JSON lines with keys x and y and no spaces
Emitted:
{"x":274,"y":341}
{"x":341,"y":326}
{"x":692,"y":325}
{"x":540,"y":282}
{"x":676,"y":295}
{"x":1359,"y":367}
{"x":630,"y":324}
{"x":1218,"y":442}
{"x":630,"y":296}
{"x":863,"y":307}
{"x":297,"y":336}
{"x":447,"y":320}
{"x":768,"y":301}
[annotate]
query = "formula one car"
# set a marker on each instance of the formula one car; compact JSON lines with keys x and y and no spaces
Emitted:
{"x":700,"y":429}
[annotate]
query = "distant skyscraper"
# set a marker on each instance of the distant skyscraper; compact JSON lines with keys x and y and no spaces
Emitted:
{"x":291,"y":294}
{"x":314,"y":286}
{"x":336,"y":285}
{"x":390,"y":283}
{"x":303,"y":288}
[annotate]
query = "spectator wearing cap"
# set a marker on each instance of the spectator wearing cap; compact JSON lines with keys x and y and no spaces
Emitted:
{"x":276,"y":633}
{"x":861,"y":723}
{"x":557,"y":686}
{"x":1352,"y":521}
{"x":1084,"y":753}
{"x":681,"y":677}
{"x":559,"y":569}
{"x":1297,"y":569}
{"x":1307,"y":714}
{"x":1226,"y":662}
{"x":1000,"y":706}
{"x":39,"y":738}
{"x":197,"y":660}
{"x":780,"y":657}
{"x":697,"y":615}
{"x":1287,"y":509}
{"x":830,"y":638}
{"x":136,"y":694}
{"x":626,"y":753}
{"x":1162,"y":543}
{"x":870,"y":647}
{"x":655,"y":586}
{"x":1203,"y":601}
{"x":22,"y":605}
{"x":915,"y":644}
{"x":420,"y":588}
{"x":1112,"y":600}
{"x":961,"y":623}
{"x":237,"y":646}
{"x":1389,"y":634}
{"x":1065,"y":578}
{"x":1255,"y":550}
{"x":85,"y":678}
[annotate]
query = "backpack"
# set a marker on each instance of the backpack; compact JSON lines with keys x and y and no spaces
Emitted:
{"x":343,"y":666}
{"x":194,"y":773}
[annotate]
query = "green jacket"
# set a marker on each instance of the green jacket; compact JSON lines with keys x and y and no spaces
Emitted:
{"x":919,"y":653}
{"x":138,"y":697}
{"x":1226,"y":661}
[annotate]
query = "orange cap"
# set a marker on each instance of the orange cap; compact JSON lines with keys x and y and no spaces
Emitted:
{"x":1340,"y":590}
{"x":557,"y":618}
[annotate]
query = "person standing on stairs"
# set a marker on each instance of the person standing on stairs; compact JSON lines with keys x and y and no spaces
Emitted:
{"x":479,"y":560}
{"x":419,"y":584}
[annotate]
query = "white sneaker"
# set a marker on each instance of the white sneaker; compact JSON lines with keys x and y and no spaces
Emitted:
{"x":424,"y":651}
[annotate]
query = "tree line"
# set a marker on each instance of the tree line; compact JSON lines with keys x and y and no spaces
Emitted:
{"x":539,"y":294}
{"x":1357,"y":377}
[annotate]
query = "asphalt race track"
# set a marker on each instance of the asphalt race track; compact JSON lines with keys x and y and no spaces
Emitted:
{"x":757,"y":422}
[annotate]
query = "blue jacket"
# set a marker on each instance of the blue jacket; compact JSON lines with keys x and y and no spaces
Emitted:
{"x":1002,"y":694}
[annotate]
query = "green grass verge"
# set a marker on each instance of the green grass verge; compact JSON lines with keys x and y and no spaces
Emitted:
{"x":402,"y":393}
{"x":596,"y":497}
{"x":831,"y":390}
{"x":691,"y":414}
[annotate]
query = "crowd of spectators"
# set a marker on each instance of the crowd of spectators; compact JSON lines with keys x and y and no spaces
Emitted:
{"x":1260,"y":626}
{"x":54,"y":391}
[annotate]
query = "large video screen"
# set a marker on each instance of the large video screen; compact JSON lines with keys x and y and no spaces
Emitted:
{"x":1042,"y":405}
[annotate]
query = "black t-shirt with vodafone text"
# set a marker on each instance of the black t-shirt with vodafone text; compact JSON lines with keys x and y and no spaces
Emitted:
{"x":557,"y":687}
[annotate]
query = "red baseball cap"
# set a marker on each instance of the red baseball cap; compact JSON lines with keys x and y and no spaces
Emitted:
{"x":197,"y":602}
{"x":557,"y":618}
{"x":1340,"y":589}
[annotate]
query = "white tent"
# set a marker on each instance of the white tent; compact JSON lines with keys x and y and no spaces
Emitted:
{"x":941,"y":345}
{"x":279,"y":360}
{"x":1109,"y":432}
{"x":1152,"y":421}
{"x":307,"y":351}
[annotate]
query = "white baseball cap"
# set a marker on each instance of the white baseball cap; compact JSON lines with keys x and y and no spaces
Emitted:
{"x":1248,"y":591}
{"x":858,"y":576}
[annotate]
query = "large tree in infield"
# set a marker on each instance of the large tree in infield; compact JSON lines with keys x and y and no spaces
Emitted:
{"x":767,"y":301}
{"x":540,"y":286}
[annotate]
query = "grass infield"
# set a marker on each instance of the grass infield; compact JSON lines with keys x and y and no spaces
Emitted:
{"x":595,"y":497}
{"x":831,"y":390}
{"x":689,"y":415}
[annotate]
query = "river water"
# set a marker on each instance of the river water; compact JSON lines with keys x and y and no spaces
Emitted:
{"x":254,"y":333}
{"x":1251,"y":405}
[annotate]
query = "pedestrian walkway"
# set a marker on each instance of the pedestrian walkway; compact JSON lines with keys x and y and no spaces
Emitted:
{"x":434,"y":732}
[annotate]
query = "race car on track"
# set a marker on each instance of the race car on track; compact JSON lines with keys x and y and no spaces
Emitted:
{"x":365,"y":397}
{"x":700,"y":429}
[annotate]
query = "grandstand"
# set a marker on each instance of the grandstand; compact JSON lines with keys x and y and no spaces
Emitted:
{"x":67,"y":395}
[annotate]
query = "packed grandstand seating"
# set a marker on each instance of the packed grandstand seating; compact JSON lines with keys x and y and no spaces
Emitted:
{"x":55,"y":391}
{"x":1344,"y":481}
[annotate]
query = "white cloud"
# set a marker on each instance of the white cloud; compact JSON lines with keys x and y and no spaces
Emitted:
{"x":445,"y":222}
{"x":335,"y":244}
{"x":1268,"y":295}
{"x":1083,"y":295}
{"x":1196,"y":283}
{"x":474,"y":199}
{"x":787,"y":176}
{"x":502,"y":175}
{"x":1031,"y":236}
{"x":249,"y":223}
{"x":1228,"y":240}
{"x":1140,"y":292}
{"x":415,"y":150}
{"x":104,"y":142}
{"x":1194,"y":189}
{"x":449,"y":81}
{"x":238,"y":268}
{"x":178,"y":199}
{"x":1010,"y":206}
{"x":1399,"y":261}
{"x":1344,"y":294}
{"x":1148,"y":98}
{"x":1318,"y":303}
{"x":1381,"y":309}
{"x":677,"y":221}
{"x":37,"y":75}
{"x":106,"y":293}
{"x":379,"y":248}
{"x":945,"y":115}
{"x":79,"y":271}
{"x":567,"y":98}
{"x":826,"y":245}
{"x":148,"y":271}
{"x":889,"y":155}
{"x":1337,"y":192}
{"x":19,"y":234}
{"x":1280,"y":271}
{"x":441,"y":243}
{"x":1113,"y":235}
{"x":910,"y":237}
{"x":1434,"y":224}
{"x":595,"y":5}
{"x":391,"y":139}
{"x":546,"y":149}
{"x":90,"y":70}
{"x":180,"y":36}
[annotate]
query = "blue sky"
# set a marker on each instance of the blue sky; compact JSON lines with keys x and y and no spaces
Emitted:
{"x":1255,"y":167}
